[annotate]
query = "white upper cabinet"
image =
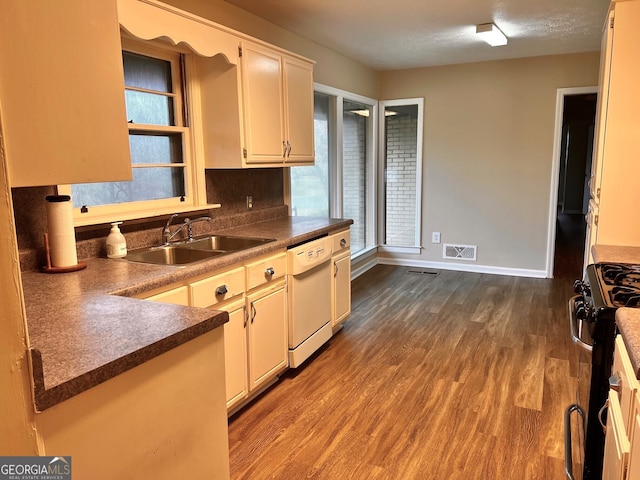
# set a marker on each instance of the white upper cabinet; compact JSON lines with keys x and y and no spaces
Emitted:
{"x":615,"y":167}
{"x":62,"y":93}
{"x":259,"y":114}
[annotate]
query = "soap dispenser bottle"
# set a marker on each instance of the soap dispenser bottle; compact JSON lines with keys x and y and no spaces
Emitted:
{"x":116,"y":243}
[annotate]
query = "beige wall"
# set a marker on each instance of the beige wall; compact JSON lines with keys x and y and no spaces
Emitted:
{"x":488,"y":148}
{"x":331,"y":68}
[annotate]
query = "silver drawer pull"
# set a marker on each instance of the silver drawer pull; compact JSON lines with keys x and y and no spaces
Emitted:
{"x":343,"y":242}
{"x":270,"y":271}
{"x":221,"y":290}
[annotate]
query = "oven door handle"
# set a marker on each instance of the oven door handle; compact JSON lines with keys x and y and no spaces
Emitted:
{"x":568,"y":453}
{"x":573,"y":327}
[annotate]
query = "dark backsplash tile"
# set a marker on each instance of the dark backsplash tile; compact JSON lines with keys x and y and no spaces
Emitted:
{"x":226,"y":187}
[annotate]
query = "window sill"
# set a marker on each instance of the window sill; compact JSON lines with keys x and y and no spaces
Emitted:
{"x":80,"y":221}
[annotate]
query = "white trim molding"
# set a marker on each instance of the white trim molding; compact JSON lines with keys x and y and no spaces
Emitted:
{"x":460,"y":267}
{"x":555,"y":171}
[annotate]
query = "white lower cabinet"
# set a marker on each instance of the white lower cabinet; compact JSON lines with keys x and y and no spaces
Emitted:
{"x":634,"y":455}
{"x":616,"y":447}
{"x":235,"y":354}
{"x":622,"y":433}
{"x":340,"y":279}
{"x":267,"y":328}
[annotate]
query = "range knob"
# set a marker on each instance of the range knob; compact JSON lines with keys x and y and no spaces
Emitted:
{"x":582,"y":288}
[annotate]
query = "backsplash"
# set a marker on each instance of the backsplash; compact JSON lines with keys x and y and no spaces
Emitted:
{"x":226,"y":187}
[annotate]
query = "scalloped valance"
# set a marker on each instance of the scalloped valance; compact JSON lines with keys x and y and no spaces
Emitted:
{"x":148,"y":20}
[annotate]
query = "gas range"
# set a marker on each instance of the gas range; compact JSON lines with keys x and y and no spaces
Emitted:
{"x":604,"y":288}
{"x":620,"y":283}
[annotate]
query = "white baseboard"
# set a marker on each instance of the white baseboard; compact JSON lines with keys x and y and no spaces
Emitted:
{"x":363,"y":267}
{"x":463,"y":267}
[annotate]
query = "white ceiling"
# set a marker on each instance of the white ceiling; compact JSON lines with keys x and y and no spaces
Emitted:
{"x":396,"y":34}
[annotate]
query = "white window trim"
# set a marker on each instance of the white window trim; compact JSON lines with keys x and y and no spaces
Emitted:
{"x":410,"y":249}
{"x":336,"y":100}
{"x":193,"y":153}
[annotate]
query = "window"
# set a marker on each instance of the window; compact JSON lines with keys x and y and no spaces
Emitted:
{"x":310,"y":184}
{"x":401,"y":164}
{"x":341,"y":182}
{"x":355,"y":169}
{"x":159,"y":140}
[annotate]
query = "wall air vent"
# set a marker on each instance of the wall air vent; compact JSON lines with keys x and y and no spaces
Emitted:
{"x":459,"y":252}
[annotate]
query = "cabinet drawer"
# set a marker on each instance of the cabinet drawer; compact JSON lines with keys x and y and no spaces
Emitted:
{"x":260,"y":272}
{"x":176,"y":296}
{"x":623,"y":369}
{"x":341,"y":240}
{"x":218,"y":288}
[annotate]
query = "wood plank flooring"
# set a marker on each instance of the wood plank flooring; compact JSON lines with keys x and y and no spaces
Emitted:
{"x":449,"y":376}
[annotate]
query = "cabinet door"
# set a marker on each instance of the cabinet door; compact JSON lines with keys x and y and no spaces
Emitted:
{"x":634,"y":456}
{"x":62,"y":93}
{"x":619,"y":169}
{"x":616,"y":447}
{"x":235,"y":354}
{"x":262,"y":90}
{"x":341,"y":288}
{"x":267,"y":334}
{"x":298,"y":83}
{"x":601,"y":112}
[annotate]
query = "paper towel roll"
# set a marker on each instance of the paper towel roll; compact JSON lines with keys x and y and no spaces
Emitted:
{"x":62,"y":236}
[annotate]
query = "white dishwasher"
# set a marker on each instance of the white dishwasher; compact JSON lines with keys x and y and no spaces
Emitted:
{"x":309,"y":281}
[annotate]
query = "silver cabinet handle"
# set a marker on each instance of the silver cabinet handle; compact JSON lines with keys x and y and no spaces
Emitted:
{"x":253,"y":312}
{"x":221,"y":290}
{"x":270,"y":271}
{"x":600,"y":412}
{"x":284,"y":149}
{"x":572,"y":325}
{"x":246,"y":315}
{"x":288,"y":148}
{"x":335,"y":269}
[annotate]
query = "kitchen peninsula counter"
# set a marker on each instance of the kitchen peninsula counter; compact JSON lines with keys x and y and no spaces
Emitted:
{"x":615,"y":254}
{"x":84,"y":330}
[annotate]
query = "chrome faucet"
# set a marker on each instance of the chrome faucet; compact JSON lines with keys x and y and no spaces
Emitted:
{"x":167,"y":235}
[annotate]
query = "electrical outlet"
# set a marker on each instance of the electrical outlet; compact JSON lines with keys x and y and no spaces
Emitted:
{"x":435,"y":237}
{"x":249,"y":202}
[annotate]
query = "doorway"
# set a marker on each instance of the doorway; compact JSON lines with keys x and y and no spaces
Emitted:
{"x":573,"y":147}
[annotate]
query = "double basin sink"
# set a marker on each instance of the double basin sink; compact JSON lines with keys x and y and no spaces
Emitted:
{"x":191,"y":251}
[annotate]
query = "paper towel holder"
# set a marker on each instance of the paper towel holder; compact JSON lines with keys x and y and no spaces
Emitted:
{"x":48,"y":268}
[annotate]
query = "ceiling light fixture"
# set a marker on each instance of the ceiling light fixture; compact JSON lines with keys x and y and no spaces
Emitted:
{"x":491,"y":34}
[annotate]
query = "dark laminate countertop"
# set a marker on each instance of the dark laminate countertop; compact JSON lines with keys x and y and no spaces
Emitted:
{"x":628,"y":322}
{"x":615,"y":254}
{"x":84,"y":330}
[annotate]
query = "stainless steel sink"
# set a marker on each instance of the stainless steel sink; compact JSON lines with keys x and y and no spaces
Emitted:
{"x":170,"y":255}
{"x":192,"y":251}
{"x":225,"y":243}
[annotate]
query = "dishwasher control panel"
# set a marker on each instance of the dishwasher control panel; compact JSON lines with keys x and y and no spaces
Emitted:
{"x":309,"y":255}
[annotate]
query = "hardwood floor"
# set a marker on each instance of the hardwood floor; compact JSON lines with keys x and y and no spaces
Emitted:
{"x":448,"y":376}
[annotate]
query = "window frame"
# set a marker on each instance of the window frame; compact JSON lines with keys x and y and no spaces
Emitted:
{"x":336,"y":101}
{"x":410,"y":249}
{"x":187,"y":124}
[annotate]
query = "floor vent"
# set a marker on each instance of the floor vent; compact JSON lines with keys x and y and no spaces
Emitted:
{"x":459,"y":252}
{"x":433,"y":273}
